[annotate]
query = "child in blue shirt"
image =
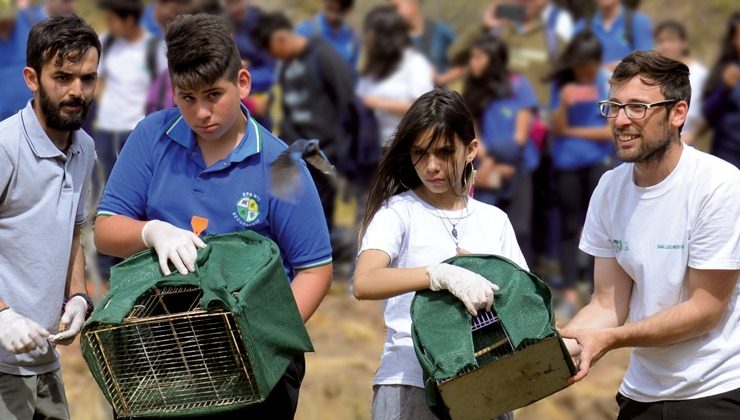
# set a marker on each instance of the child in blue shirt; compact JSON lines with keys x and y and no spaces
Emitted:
{"x":582,"y":149}
{"x":13,"y":36}
{"x":330,"y":25}
{"x":619,"y":29}
{"x":209,"y":158}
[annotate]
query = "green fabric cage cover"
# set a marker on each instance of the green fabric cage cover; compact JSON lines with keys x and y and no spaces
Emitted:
{"x":441,"y":326}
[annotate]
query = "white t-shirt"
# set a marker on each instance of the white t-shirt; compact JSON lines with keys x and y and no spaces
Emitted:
{"x":563,"y":24}
{"x":127,"y":82}
{"x":413,"y":78}
{"x":690,"y":219}
{"x":415,"y":234}
{"x":697,"y":77}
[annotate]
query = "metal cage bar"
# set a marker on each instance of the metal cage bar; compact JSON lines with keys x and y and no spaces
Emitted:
{"x":170,"y":356}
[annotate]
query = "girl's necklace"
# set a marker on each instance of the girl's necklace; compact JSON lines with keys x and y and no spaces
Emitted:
{"x":454,"y":234}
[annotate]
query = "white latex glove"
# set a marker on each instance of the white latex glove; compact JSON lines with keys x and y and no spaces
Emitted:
{"x":472,"y":289}
{"x":172,"y":243}
{"x":72,"y":321}
{"x":19,"y":334}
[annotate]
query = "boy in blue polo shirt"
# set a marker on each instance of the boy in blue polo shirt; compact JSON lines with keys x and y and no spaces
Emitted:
{"x":211,"y":159}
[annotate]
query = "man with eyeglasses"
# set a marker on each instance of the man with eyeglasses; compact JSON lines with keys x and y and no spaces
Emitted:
{"x":664,"y":228}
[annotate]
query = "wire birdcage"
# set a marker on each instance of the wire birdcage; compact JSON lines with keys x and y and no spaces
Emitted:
{"x":490,"y":340}
{"x":170,"y":356}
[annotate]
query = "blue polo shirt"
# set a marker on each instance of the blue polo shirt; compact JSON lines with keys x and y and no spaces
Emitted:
{"x":614,"y":43}
{"x":160,"y":174}
{"x":13,"y":90}
{"x":35,"y":13}
{"x":344,"y":40}
{"x":149,"y":23}
{"x":498,"y":125}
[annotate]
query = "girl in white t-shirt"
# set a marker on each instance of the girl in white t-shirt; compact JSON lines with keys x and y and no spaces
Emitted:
{"x":394,"y":74}
{"x":418,"y":215}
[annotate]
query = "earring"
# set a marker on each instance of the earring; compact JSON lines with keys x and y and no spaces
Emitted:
{"x":404,"y":185}
{"x":467,"y":176}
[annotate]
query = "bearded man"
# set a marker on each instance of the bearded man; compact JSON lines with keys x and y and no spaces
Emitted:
{"x":46,"y":161}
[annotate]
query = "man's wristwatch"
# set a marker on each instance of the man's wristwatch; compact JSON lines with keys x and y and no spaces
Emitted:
{"x":90,"y":305}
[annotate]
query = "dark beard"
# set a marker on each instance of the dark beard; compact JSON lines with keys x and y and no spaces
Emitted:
{"x":53,"y":115}
{"x":655,"y":152}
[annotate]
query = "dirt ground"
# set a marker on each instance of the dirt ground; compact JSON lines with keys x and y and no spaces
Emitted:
{"x":348,"y":338}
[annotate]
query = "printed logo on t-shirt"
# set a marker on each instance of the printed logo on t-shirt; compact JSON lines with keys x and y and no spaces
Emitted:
{"x":671,"y":246}
{"x":507,"y":112}
{"x":247,"y":209}
{"x":620,"y":245}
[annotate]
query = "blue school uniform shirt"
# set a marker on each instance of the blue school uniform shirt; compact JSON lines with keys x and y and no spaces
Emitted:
{"x":614,"y":43}
{"x":149,"y":23}
{"x":13,"y":90}
{"x":434,"y":45}
{"x":344,"y":40}
{"x":571,"y":153}
{"x":35,"y":13}
{"x":261,"y":65}
{"x":160,"y":174}
{"x":498,"y":125}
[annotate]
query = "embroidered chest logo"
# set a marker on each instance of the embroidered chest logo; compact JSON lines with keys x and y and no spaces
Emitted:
{"x":247,"y":209}
{"x":620,"y":245}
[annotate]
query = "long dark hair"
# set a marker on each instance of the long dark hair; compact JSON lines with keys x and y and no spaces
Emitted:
{"x":729,"y":54}
{"x":387,"y":36}
{"x":583,"y":48}
{"x":494,"y":82}
{"x":442,"y":114}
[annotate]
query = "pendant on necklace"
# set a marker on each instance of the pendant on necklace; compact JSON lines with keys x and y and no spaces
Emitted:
{"x":454,"y":232}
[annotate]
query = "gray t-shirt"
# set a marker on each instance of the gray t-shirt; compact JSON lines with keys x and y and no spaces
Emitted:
{"x":42,"y":197}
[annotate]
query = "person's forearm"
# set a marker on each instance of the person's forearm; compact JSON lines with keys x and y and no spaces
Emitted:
{"x":309,"y":289}
{"x":394,"y":106}
{"x":388,"y":282}
{"x":676,"y":324}
{"x":119,"y":236}
{"x":76,"y":270}
{"x":450,"y":76}
{"x":589,"y":133}
{"x":523,"y":126}
{"x":559,"y":120}
{"x":595,"y":315}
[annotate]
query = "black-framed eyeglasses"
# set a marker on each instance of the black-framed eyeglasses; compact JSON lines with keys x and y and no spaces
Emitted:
{"x":633,"y":110}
